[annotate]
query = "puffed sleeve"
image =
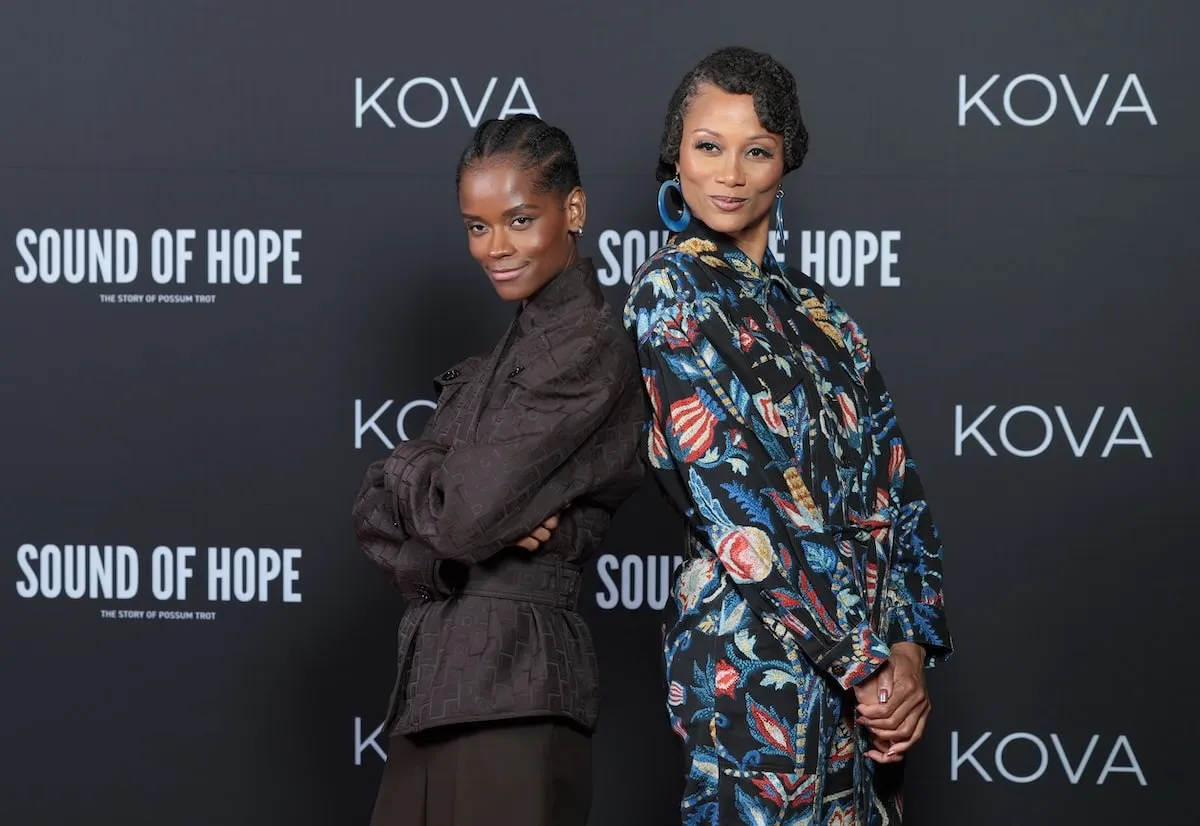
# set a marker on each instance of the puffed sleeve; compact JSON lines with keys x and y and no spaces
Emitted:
{"x":467,"y":503}
{"x":914,"y":598}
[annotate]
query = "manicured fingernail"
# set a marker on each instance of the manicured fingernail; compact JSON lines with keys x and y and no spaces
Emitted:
{"x":883,"y":696}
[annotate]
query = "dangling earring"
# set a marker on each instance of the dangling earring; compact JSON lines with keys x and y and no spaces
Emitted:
{"x":780,"y":243}
{"x":673,"y":224}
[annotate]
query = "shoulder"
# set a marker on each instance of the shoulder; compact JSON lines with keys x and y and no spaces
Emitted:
{"x":852,"y":334}
{"x":590,"y":340}
{"x":674,"y":275}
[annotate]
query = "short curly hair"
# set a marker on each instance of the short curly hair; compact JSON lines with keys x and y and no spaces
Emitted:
{"x":740,"y":71}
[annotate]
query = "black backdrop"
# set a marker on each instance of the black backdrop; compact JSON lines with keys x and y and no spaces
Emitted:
{"x":1000,"y":194}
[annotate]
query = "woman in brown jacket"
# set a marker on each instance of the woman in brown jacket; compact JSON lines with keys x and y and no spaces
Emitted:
{"x":484,"y":522}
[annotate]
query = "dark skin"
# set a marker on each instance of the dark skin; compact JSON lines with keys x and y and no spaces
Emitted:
{"x":523,"y":239}
{"x":730,"y":168}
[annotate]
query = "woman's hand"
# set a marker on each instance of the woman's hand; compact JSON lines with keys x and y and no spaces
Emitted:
{"x":893,"y":703}
{"x":540,"y":534}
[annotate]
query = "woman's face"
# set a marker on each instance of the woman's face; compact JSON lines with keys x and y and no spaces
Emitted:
{"x":521,"y":237}
{"x":729,"y":166}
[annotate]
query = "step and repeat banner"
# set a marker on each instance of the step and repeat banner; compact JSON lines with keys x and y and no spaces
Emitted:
{"x":233,"y":264}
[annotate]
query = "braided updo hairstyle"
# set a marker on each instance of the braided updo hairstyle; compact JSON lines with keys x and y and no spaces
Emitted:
{"x":740,"y":71}
{"x":532,"y":144}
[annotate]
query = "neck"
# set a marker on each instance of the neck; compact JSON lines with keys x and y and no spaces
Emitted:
{"x":753,"y":240}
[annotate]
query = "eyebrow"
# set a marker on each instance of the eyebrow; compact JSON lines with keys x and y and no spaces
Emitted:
{"x":509,"y":211}
{"x":762,"y":136}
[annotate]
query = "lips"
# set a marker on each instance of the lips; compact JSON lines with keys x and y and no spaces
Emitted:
{"x":726,"y":203}
{"x":507,"y":273}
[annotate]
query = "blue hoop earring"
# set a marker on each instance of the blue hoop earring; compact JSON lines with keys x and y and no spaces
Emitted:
{"x":673,"y":224}
{"x":780,"y":242}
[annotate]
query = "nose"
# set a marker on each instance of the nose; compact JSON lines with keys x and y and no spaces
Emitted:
{"x":499,"y":245}
{"x":731,"y":173}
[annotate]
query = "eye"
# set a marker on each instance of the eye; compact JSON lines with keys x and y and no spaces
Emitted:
{"x":759,"y":152}
{"x":476,"y":229}
{"x":707,"y":146}
{"x":522,"y":221}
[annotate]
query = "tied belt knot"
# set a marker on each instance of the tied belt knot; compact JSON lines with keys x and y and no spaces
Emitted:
{"x":547,"y":580}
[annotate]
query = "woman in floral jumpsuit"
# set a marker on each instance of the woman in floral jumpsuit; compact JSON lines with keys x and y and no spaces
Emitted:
{"x":810,"y":602}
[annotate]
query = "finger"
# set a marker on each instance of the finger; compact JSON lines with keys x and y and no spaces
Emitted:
{"x":528,"y":543}
{"x":880,"y":757}
{"x":540,"y":534}
{"x":918,"y":732}
{"x":898,"y":690}
{"x":896,"y":716}
{"x":901,"y":733}
{"x":551,"y":523}
{"x":897,"y":708}
{"x":887,"y":677}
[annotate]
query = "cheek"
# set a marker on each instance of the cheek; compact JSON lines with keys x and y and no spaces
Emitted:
{"x":767,"y":178}
{"x":537,"y":242}
{"x":693,"y":165}
{"x":478,"y":246}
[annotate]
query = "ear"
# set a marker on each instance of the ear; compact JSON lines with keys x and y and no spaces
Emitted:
{"x":576,"y":207}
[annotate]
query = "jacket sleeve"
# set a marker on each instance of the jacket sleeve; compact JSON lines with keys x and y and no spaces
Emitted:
{"x":913,"y":599}
{"x":410,"y":565}
{"x":788,"y":572}
{"x":467,"y":503}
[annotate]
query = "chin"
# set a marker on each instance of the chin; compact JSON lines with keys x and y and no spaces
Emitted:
{"x":512,"y":291}
{"x":730,"y":223}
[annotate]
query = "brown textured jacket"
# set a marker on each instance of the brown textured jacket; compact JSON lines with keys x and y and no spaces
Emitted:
{"x":550,"y":420}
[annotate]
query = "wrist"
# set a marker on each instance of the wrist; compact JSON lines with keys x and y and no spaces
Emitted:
{"x":910,"y":651}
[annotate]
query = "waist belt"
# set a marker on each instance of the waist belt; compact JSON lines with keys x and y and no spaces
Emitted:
{"x":546,"y":581}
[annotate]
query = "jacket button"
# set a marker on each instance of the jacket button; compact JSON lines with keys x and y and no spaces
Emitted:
{"x":838,"y":670}
{"x":424,"y":593}
{"x":450,"y":374}
{"x":515,"y":372}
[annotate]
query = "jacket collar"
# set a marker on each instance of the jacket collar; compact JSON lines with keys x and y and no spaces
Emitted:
{"x":576,"y":286}
{"x":719,"y":251}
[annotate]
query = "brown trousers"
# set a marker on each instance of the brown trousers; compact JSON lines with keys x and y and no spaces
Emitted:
{"x":523,"y":773}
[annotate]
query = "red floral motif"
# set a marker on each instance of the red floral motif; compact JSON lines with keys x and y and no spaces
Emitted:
{"x":843,"y":817}
{"x":693,"y":426}
{"x":770,"y":413}
{"x":678,"y":728}
{"x":745,"y":340}
{"x":771,"y":730}
{"x":843,"y":749}
{"x":651,"y":382}
{"x":768,"y":789}
{"x":789,"y":509}
{"x":746,"y":554}
{"x":872,"y":577}
{"x":680,"y":332}
{"x":896,"y":465}
{"x":849,"y":412}
{"x":658,"y":444}
{"x":881,"y":498}
{"x":727,"y":678}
